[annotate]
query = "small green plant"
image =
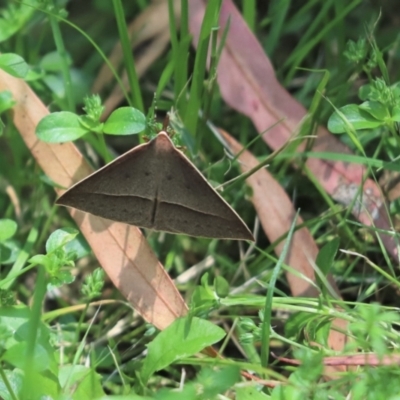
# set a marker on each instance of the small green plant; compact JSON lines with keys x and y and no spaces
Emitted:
{"x":380,"y":109}
{"x":62,"y":249}
{"x":8,"y":247}
{"x":65,"y":126}
{"x":26,"y":348}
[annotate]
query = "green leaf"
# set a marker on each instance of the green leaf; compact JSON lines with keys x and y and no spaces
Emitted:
{"x":296,"y":323}
{"x":5,"y":253}
{"x":15,"y":379}
{"x":250,"y":393}
{"x":60,"y":238}
{"x":79,"y":246}
{"x":125,"y":121}
{"x":6,"y":101}
{"x":188,"y":392}
{"x":364,"y":91}
{"x":8,"y":227}
{"x":71,"y":374}
{"x":351,"y":115}
{"x":216,"y":382}
{"x":221,"y":286}
{"x":16,"y":355}
{"x":90,"y":387}
{"x":39,"y":259}
{"x":59,"y":256}
{"x":82,"y":381}
{"x":61,"y":277}
{"x":9,"y":251}
{"x":53,"y":61}
{"x":42,"y":385}
{"x":356,"y":51}
{"x":56,"y":83}
{"x":375,"y":109}
{"x":327,"y":255}
{"x":24,"y":333}
{"x":60,"y":127}
{"x":396,"y":113}
{"x":35,"y":73}
{"x":7,"y":298}
{"x":203,"y":297}
{"x":14,"y":65}
{"x":15,"y":17}
{"x":11,"y":319}
{"x":183,"y":338}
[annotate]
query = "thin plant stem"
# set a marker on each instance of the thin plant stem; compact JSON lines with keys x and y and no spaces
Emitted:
{"x":34,"y":326}
{"x":59,"y":42}
{"x":7,"y":384}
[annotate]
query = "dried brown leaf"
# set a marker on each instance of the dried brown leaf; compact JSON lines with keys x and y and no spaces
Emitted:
{"x":248,"y":84}
{"x":276,"y":214}
{"x":121,"y":249}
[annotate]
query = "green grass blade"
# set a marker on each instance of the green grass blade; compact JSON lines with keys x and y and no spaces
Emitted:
{"x":266,"y":324}
{"x":277,"y":11}
{"x":302,"y":51}
{"x":128,"y":56}
{"x":354,"y":159}
{"x":249,"y":9}
{"x":196,"y":91}
{"x":58,"y":39}
{"x":34,"y":321}
{"x":24,"y":254}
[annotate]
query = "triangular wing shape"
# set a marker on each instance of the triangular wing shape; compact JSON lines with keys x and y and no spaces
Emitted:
{"x":122,"y":190}
{"x":155,"y":186}
{"x":187,"y":202}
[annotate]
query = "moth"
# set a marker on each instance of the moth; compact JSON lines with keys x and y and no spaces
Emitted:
{"x":156,"y":186}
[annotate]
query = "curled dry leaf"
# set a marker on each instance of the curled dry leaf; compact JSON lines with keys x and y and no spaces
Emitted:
{"x":121,"y":249}
{"x":248,"y":84}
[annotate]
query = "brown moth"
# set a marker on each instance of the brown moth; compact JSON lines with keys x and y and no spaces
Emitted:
{"x":155,"y":186}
